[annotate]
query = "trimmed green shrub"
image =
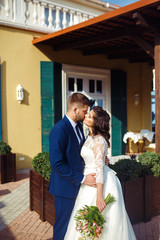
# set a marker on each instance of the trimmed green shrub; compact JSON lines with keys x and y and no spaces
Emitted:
{"x":127,"y":169}
{"x":4,"y":148}
{"x":150,"y":162}
{"x":41,"y":164}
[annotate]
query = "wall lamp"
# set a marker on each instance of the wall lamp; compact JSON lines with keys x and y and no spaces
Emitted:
{"x":136,"y":99}
{"x":20,"y":93}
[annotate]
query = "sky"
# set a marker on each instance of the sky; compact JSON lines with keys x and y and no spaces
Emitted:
{"x":121,"y":2}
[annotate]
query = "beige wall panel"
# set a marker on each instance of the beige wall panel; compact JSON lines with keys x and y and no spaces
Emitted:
{"x":21,"y":123}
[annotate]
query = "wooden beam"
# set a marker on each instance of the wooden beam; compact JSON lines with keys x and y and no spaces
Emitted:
{"x":157,"y":90}
{"x":113,"y":50}
{"x":146,"y":46}
{"x":85,"y":41}
{"x":89,"y":41}
{"x":146,"y":22}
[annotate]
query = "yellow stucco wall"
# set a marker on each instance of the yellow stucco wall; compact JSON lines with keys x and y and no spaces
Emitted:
{"x":21,"y":123}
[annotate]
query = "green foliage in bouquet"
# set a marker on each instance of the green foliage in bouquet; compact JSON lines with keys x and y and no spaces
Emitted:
{"x":150,"y":163}
{"x":127,"y":169}
{"x":89,"y":220}
{"x":4,"y":148}
{"x":41,"y":164}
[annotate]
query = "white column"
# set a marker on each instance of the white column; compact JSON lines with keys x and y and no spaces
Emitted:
{"x":58,"y":18}
{"x":78,"y":18}
{"x":0,"y":9}
{"x":71,"y":22}
{"x":35,"y":12}
{"x":18,"y":11}
{"x":7,"y":9}
{"x":85,"y":17}
{"x":64,"y":22}
{"x":27,"y":13}
{"x":50,"y":17}
{"x":43,"y":17}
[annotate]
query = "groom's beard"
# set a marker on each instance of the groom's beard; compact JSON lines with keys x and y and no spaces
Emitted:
{"x":79,"y":118}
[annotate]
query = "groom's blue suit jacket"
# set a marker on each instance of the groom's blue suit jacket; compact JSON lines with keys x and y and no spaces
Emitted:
{"x":66,"y":163}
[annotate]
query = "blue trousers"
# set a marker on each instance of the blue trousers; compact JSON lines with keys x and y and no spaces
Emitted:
{"x":63,"y":209}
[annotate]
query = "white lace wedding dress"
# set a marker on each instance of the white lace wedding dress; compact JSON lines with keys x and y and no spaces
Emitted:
{"x":117,"y":225}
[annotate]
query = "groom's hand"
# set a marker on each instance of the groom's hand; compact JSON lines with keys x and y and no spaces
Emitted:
{"x":90,"y":180}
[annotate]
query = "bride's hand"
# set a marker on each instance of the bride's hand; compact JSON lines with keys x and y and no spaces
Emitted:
{"x":100,"y":203}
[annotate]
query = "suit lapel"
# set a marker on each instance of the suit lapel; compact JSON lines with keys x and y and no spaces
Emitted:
{"x":71,"y":130}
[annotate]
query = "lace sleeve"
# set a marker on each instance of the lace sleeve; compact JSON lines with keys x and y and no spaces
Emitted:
{"x":99,"y":152}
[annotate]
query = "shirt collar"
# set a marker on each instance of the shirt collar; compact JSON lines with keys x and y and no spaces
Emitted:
{"x":72,"y":122}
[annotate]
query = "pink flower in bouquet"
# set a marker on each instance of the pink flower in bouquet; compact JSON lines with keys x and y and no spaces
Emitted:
{"x":89,"y":220}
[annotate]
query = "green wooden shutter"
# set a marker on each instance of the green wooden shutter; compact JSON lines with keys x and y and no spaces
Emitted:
{"x":0,"y":106}
{"x":51,"y":99}
{"x":118,"y":110}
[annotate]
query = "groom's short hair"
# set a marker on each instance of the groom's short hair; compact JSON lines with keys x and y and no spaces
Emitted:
{"x":78,"y":98}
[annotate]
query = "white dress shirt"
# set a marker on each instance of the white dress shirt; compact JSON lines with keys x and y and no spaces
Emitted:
{"x":74,"y":128}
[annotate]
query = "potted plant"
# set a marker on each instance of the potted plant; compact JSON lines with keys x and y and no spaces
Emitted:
{"x":7,"y":163}
{"x":140,"y":184}
{"x":41,"y":200}
{"x":129,"y":173}
{"x":151,"y":170}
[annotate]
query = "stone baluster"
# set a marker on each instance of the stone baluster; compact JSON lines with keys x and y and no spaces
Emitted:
{"x":0,"y":9}
{"x":35,"y":12}
{"x":71,"y":22}
{"x":7,"y":9}
{"x":64,"y":22}
{"x":43,"y":17}
{"x":85,"y":17}
{"x":50,"y":17}
{"x":90,"y":16}
{"x":57,"y":22}
{"x":78,"y":18}
{"x":18,"y":11}
{"x":27,"y":13}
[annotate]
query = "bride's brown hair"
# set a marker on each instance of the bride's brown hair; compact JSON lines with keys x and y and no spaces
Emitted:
{"x":101,"y":123}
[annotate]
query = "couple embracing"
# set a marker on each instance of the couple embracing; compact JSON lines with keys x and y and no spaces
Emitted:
{"x":79,"y":175}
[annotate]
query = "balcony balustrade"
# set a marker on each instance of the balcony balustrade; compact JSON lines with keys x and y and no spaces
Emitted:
{"x":40,"y":15}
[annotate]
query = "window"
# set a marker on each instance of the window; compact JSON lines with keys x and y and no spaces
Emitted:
{"x":91,"y":86}
{"x":70,"y":84}
{"x":79,"y":84}
{"x":99,"y":86}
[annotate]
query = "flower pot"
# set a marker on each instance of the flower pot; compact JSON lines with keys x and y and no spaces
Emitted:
{"x":41,"y":200}
{"x":7,"y":168}
{"x":142,"y":198}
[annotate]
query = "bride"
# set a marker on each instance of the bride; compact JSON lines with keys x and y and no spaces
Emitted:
{"x":94,"y":150}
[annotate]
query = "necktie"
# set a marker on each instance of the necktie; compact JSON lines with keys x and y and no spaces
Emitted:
{"x":79,"y":135}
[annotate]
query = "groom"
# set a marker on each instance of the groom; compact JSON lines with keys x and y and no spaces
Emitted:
{"x":65,"y":141}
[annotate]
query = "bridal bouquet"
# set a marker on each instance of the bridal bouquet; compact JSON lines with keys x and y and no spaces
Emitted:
{"x":89,"y":220}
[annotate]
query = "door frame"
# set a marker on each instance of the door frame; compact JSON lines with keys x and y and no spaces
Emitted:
{"x":87,"y":71}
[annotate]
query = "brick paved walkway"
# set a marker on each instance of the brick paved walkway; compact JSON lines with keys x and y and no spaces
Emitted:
{"x":24,"y":224}
{"x":27,"y":226}
{"x":21,"y":177}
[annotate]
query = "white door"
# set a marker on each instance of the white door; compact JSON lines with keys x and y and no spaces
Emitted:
{"x":92,"y":82}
